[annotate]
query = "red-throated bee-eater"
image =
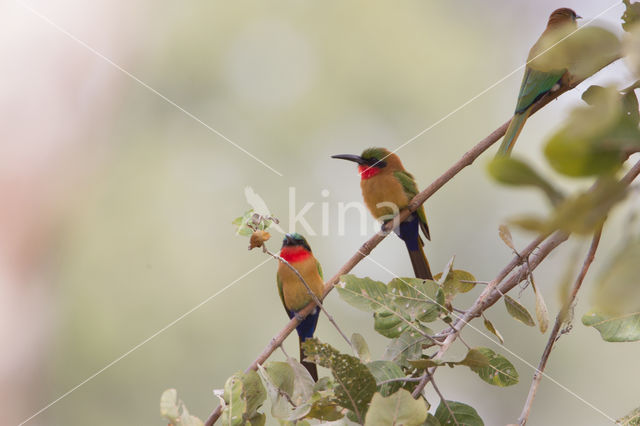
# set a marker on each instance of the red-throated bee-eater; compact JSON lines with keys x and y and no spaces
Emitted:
{"x":536,"y":83}
{"x":386,"y":183}
{"x":294,"y":294}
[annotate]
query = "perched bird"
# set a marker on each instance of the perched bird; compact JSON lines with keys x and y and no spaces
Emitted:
{"x":537,"y":82}
{"x":385,"y":184}
{"x":294,"y":294}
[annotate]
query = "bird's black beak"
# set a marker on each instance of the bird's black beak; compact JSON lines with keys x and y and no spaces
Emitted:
{"x":350,"y":157}
{"x":578,"y":17}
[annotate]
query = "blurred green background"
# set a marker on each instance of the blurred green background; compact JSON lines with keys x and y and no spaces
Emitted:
{"x":118,"y":205}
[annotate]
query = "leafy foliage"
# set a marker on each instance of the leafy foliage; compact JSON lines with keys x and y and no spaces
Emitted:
{"x":355,"y":383}
{"x":243,"y":395}
{"x":631,"y":419}
{"x":517,"y":311}
{"x":595,"y":139}
{"x":511,"y":171}
{"x":175,"y":412}
{"x":498,"y":371}
{"x":397,"y":409}
{"x":398,"y":306}
{"x":581,"y":52}
{"x":616,"y":312}
{"x":461,"y":414}
{"x":631,"y":15}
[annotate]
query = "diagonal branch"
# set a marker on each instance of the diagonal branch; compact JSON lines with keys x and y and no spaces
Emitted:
{"x":466,"y":160}
{"x":497,"y":288}
{"x":560,"y":320}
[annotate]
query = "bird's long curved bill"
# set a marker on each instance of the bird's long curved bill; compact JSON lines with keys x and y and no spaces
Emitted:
{"x":350,"y":157}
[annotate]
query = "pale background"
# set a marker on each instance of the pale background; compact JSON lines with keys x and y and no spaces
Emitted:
{"x":115,"y":207}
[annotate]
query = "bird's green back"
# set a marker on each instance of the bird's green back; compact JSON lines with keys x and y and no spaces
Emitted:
{"x":534,"y":85}
{"x":411,"y":190}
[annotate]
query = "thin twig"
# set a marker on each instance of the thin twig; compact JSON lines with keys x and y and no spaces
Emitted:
{"x":399,"y":379}
{"x":466,"y":160}
{"x":560,"y":319}
{"x":311,"y":293}
{"x":444,"y":401}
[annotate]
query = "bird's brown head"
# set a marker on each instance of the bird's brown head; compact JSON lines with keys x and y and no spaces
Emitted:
{"x":563,"y":16}
{"x":373,"y":161}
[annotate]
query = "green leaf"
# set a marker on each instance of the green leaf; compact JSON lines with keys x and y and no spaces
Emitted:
{"x":279,"y":377}
{"x":583,"y":52}
{"x":489,"y":326}
{"x":581,"y":214}
{"x":631,"y":15}
{"x":596,"y":137}
{"x":169,"y":405}
{"x":505,"y":236}
{"x":386,"y":370}
{"x":243,"y":395}
{"x":615,"y":328}
{"x":323,"y":404}
{"x":236,"y":406}
{"x":397,"y":409}
{"x":187,"y":419}
{"x":616,"y":304}
{"x":396,"y":307}
{"x":476,"y":358}
{"x":463,"y":414}
{"x":363,"y":293}
{"x":420,"y":299}
{"x":617,"y":290}
{"x":355,"y":385}
{"x":458,"y":281}
{"x":498,"y":372}
{"x":511,"y":171}
{"x":631,"y":419}
{"x":361,"y":347}
{"x":517,"y":311}
{"x":406,"y":347}
{"x":542,"y":313}
{"x":631,"y":45}
{"x":432,"y":421}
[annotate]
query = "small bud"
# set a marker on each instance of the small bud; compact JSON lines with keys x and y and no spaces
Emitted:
{"x":258,"y":238}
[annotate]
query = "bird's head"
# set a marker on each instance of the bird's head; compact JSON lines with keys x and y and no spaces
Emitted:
{"x":372,"y":161}
{"x":294,"y":248}
{"x":563,"y":16}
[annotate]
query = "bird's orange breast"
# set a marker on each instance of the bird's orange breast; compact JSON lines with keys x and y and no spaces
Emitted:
{"x":380,"y":190}
{"x":296,"y":295}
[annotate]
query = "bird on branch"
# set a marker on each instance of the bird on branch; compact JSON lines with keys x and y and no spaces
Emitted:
{"x":294,"y":294}
{"x":387,"y":188}
{"x":538,"y":79}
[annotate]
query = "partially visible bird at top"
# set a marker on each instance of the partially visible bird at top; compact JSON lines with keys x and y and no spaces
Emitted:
{"x":385,"y":183}
{"x":537,"y":82}
{"x":294,"y":294}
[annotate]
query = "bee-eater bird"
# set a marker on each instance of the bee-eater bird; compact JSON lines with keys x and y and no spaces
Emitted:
{"x":294,"y":294}
{"x":536,"y":82}
{"x":385,"y":182}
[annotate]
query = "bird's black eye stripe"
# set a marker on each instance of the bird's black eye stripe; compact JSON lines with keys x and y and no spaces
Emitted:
{"x":373,"y":162}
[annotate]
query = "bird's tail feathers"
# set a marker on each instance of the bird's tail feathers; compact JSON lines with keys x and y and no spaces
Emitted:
{"x":420,"y":263}
{"x":310,"y":366}
{"x":513,"y":131}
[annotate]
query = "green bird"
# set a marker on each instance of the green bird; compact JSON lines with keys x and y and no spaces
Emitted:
{"x":294,"y":294}
{"x":386,"y":184}
{"x":536,"y":82}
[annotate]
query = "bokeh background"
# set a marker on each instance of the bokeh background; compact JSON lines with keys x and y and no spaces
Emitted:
{"x":116,"y":206}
